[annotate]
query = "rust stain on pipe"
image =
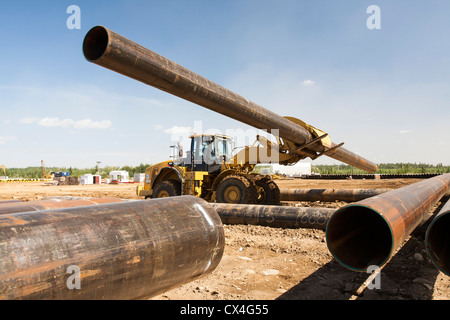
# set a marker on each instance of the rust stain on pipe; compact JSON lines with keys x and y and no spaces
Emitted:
{"x":347,"y":195}
{"x":126,"y":250}
{"x":115,"y":52}
{"x":369,"y":231}
{"x":274,"y":216}
{"x":437,"y":239}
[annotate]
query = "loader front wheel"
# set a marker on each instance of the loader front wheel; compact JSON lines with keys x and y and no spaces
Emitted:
{"x":268,"y":192}
{"x":236,"y":189}
{"x":167,"y":188}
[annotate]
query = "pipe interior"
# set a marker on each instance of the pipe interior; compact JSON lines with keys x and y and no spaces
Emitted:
{"x":359,"y":237}
{"x":95,"y":43}
{"x":439,"y":242}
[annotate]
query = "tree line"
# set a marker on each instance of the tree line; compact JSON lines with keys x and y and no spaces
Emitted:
{"x":383,"y":168}
{"x":38,"y":173}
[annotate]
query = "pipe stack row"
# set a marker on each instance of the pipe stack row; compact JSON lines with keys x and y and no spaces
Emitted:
{"x":366,"y":232}
{"x":117,"y":249}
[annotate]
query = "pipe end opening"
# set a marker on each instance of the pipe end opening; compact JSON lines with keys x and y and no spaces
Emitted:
{"x":359,"y":237}
{"x":438,"y":242}
{"x":95,"y":43}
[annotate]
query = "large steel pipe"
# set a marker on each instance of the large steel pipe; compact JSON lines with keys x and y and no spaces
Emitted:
{"x":38,"y":205}
{"x":115,"y":52}
{"x":437,"y":239}
{"x":274,"y":216}
{"x":347,"y":195}
{"x":2,"y":202}
{"x":369,"y":231}
{"x":128,"y":250}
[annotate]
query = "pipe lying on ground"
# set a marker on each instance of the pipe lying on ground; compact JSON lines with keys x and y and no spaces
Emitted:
{"x":274,"y":216}
{"x":38,"y":205}
{"x":347,"y":195}
{"x":127,"y":250}
{"x":369,"y":231}
{"x":437,"y":239}
{"x":9,"y":201}
{"x":115,"y":52}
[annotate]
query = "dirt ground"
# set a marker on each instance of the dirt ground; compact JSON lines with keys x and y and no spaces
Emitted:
{"x":263,"y":263}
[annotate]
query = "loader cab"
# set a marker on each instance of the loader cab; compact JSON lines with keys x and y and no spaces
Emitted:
{"x":208,"y":152}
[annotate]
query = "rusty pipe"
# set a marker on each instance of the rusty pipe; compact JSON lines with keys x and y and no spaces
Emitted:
{"x":128,"y":250}
{"x":369,"y":231}
{"x":347,"y":195}
{"x":274,"y":216}
{"x":38,"y":205}
{"x":115,"y":52}
{"x":437,"y":239}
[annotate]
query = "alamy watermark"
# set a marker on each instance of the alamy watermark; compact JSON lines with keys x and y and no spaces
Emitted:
{"x":74,"y":20}
{"x":375,"y":277}
{"x":374,"y":20}
{"x":74,"y":280}
{"x":246,"y":147}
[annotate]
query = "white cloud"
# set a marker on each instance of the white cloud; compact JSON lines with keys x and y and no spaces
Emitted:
{"x":4,"y":139}
{"x":90,"y":124}
{"x":55,"y":122}
{"x":405,"y":131}
{"x":308,"y":83}
{"x":28,"y":120}
{"x":68,"y":123}
{"x":178,"y":130}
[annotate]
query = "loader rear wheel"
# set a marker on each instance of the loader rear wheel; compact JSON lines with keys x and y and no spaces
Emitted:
{"x":236,"y":189}
{"x":268,"y":192}
{"x":167,"y":188}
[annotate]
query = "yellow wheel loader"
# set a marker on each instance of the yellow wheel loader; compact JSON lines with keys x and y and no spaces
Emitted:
{"x":211,"y":172}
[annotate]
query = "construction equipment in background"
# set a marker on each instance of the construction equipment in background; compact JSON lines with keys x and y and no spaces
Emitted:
{"x":210,"y":171}
{"x":44,"y":172}
{"x":59,"y":174}
{"x":5,"y":177}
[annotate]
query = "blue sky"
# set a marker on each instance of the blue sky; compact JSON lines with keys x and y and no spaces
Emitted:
{"x":385,"y":93}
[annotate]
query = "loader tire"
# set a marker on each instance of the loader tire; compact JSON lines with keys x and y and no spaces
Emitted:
{"x":236,"y":189}
{"x":167,"y":188}
{"x":268,"y":192}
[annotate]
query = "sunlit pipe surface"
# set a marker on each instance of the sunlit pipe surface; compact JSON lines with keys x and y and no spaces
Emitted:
{"x":437,"y":239}
{"x":369,"y":231}
{"x":115,"y":52}
{"x":128,"y":250}
{"x":28,"y":206}
{"x":347,"y":195}
{"x":274,"y":216}
{"x":2,"y":202}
